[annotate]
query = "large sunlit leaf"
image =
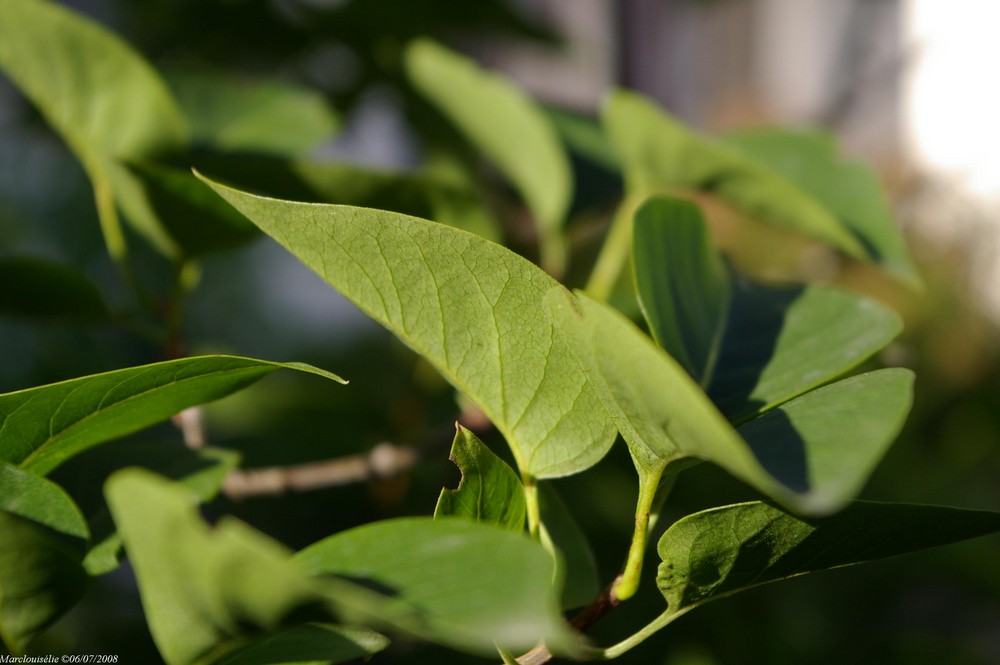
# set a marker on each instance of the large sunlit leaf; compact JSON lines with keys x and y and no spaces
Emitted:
{"x":451,"y":580}
{"x":659,"y":154}
{"x":781,"y":342}
{"x":40,"y":428}
{"x":850,"y":190}
{"x":99,"y":94}
{"x":718,"y":552}
{"x":42,"y":289}
{"x":489,"y":492}
{"x":233,"y":113}
{"x":822,"y":445}
{"x":474,"y":309}
{"x":682,"y":283}
{"x":43,"y":538}
{"x":503,"y":122}
{"x":207,"y":592}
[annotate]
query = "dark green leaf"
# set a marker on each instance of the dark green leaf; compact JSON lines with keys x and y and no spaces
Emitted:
{"x":106,"y":102}
{"x":40,"y":428}
{"x":507,"y":126}
{"x":721,"y":551}
{"x":474,"y":309}
{"x":782,"y":342}
{"x":43,"y":289}
{"x":659,"y":154}
{"x":463,"y":584}
{"x":850,"y":190}
{"x":682,"y":283}
{"x":40,"y":578}
{"x":41,"y":501}
{"x":43,"y":538}
{"x":234,"y":113}
{"x":489,"y":492}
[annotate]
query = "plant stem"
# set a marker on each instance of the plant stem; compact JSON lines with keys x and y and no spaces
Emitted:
{"x":629,"y":584}
{"x":647,"y":631}
{"x":531,"y":501}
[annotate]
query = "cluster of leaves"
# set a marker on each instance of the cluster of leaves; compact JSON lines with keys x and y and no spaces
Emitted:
{"x":734,"y":372}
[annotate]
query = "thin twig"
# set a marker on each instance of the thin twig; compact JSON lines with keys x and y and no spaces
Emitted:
{"x":385,"y":460}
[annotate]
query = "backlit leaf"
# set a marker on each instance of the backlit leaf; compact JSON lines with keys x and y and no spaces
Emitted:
{"x":504,"y":123}
{"x":850,"y":190}
{"x":489,"y":492}
{"x":659,"y":154}
{"x":474,"y":309}
{"x":101,"y":96}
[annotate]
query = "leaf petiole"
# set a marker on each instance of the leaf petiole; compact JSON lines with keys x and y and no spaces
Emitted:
{"x":628,"y":584}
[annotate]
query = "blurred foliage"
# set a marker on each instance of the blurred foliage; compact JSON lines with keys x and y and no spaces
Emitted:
{"x":941,"y":607}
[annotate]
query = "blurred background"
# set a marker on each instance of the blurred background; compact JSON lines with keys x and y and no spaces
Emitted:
{"x":905,"y":86}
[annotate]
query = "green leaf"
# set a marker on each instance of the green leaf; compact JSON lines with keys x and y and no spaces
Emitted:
{"x":823,"y":445}
{"x":503,"y":122}
{"x":41,"y":501}
{"x":310,"y":643}
{"x":579,"y":568}
{"x":660,"y":154}
{"x":106,"y":102}
{"x":682,"y":283}
{"x":850,"y":190}
{"x":43,"y":538}
{"x":42,"y":289}
{"x":40,"y":428}
{"x":421,"y":194}
{"x":206,"y":592}
{"x":462,"y":584}
{"x":782,"y":342}
{"x":230,"y":112}
{"x":664,"y":417}
{"x":719,"y":552}
{"x":474,"y":309}
{"x":489,"y":492}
